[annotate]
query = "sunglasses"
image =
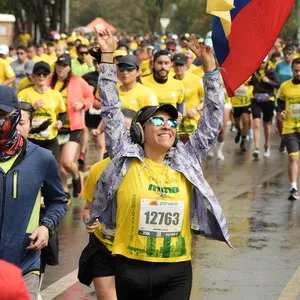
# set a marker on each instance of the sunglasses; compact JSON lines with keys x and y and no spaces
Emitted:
{"x":160,"y":121}
{"x":126,"y":68}
{"x":41,"y":74}
{"x":84,"y":52}
{"x":20,"y":53}
{"x":287,"y":53}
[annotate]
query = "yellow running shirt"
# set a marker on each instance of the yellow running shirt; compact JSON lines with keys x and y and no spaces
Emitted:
{"x":152,"y":227}
{"x":53,"y":106}
{"x":88,"y":194}
{"x":198,"y":71}
{"x":6,"y":71}
{"x":137,"y":97}
{"x":242,"y":96}
{"x":290,"y":94}
{"x":171,"y":92}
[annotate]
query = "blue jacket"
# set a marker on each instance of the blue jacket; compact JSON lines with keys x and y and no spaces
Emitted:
{"x":34,"y":170}
{"x":207,"y":217}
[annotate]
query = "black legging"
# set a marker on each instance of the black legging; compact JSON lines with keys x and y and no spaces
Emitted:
{"x":152,"y":281}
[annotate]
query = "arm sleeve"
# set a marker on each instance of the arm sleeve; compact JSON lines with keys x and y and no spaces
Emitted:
{"x":209,"y":125}
{"x":280,"y":105}
{"x":116,"y":138}
{"x":62,"y":117}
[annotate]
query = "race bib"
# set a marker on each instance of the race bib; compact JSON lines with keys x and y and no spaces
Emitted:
{"x":63,"y":138}
{"x":107,"y":233}
{"x":161,"y":218}
{"x":37,"y":123}
{"x":295,"y":111}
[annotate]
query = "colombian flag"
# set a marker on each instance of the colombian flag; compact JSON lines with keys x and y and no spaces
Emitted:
{"x":243,"y":33}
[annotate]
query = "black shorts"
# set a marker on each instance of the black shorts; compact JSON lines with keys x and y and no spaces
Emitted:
{"x":292,"y":142}
{"x":238,"y":111}
{"x":265,"y":108}
{"x":95,"y":261}
{"x":73,"y":136}
{"x":51,"y":145}
{"x":91,"y":121}
{"x":137,"y":279}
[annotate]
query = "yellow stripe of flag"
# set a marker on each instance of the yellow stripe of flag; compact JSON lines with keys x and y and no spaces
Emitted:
{"x":221,"y":9}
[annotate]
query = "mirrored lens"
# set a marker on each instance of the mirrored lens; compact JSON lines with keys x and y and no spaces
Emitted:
{"x":126,"y":68}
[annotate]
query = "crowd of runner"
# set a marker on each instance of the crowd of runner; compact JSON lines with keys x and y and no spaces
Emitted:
{"x":69,"y":96}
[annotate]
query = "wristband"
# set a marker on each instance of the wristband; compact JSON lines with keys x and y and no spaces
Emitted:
{"x":216,"y":71}
{"x":49,"y":227}
{"x":107,"y":62}
{"x":106,"y":52}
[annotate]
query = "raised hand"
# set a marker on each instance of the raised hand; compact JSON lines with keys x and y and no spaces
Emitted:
{"x":105,"y":39}
{"x":204,"y":54}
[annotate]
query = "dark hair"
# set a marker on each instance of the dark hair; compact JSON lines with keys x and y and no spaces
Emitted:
{"x":27,"y":107}
{"x":50,"y":44}
{"x":21,"y":47}
{"x":54,"y":79}
{"x":296,"y":61}
{"x":81,"y":46}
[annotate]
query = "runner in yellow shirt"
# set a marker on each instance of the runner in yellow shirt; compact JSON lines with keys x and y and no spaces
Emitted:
{"x":48,"y":105}
{"x":193,"y":94}
{"x":133,"y":94}
{"x":289,"y":108}
{"x":7,"y":74}
{"x":168,"y":90}
{"x":241,"y":104}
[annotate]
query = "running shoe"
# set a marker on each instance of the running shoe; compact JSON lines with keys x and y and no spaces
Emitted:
{"x":220,"y":155}
{"x":267,"y":151}
{"x":81,"y":159}
{"x":294,"y":194}
{"x":243,"y":145}
{"x":238,"y":136}
{"x":255,"y":154}
{"x":77,"y":185}
{"x":282,"y":148}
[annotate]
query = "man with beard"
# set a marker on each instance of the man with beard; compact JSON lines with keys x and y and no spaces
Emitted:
{"x":168,"y":90}
{"x":27,"y":173}
{"x":289,"y":108}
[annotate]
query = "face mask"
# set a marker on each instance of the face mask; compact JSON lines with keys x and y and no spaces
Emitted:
{"x":10,"y":141}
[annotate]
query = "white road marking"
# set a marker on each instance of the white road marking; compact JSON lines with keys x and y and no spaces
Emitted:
{"x":59,"y":286}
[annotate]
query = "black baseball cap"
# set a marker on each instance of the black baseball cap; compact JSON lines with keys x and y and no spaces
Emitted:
{"x":8,"y":99}
{"x":64,"y":59}
{"x":159,"y":53}
{"x":180,"y":59}
{"x":41,"y":65}
{"x":130,"y":60}
{"x":148,"y":111}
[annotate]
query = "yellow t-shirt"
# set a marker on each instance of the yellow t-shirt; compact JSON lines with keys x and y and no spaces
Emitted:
{"x":290,"y":94}
{"x":193,"y":96}
{"x":171,"y":92}
{"x":58,"y":87}
{"x":151,"y":226}
{"x":88,"y":194}
{"x":145,"y":67}
{"x":53,"y":106}
{"x":198,"y":71}
{"x":24,"y":83}
{"x":6,"y":71}
{"x":137,"y":97}
{"x":242,"y":96}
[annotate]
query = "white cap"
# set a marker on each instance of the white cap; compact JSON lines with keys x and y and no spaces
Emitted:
{"x":174,"y":37}
{"x":209,"y":42}
{"x":4,"y":49}
{"x":56,"y":36}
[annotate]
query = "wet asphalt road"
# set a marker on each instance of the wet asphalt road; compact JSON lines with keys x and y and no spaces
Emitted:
{"x":264,"y":229}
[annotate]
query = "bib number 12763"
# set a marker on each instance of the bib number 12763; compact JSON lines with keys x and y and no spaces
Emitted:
{"x":161,"y":218}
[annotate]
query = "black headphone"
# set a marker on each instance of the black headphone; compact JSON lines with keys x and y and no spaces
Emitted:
{"x":136,"y":129}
